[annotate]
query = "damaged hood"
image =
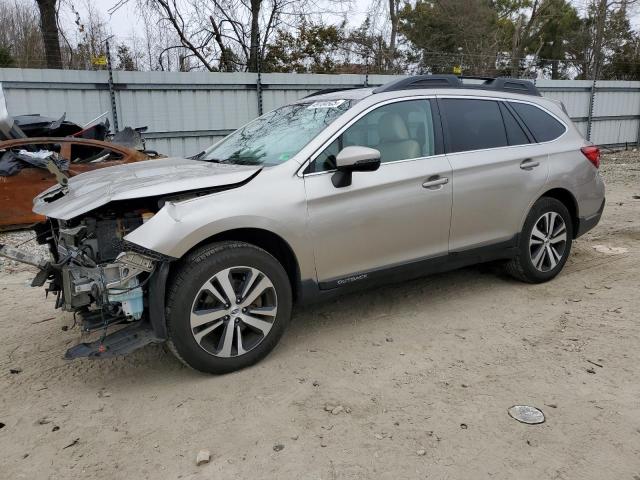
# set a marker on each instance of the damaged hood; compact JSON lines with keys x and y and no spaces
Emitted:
{"x":91,"y":190}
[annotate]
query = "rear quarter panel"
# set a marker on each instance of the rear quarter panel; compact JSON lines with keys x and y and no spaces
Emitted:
{"x":570,"y":170}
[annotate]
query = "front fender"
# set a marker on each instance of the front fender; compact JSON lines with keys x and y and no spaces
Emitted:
{"x":180,"y":226}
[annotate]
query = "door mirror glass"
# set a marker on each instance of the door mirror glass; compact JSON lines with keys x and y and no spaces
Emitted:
{"x":354,"y":159}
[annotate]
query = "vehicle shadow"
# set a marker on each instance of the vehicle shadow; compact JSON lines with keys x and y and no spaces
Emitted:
{"x":394,"y":300}
{"x":374,"y":310}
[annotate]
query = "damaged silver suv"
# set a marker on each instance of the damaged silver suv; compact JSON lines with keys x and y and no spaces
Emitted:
{"x":337,"y":191}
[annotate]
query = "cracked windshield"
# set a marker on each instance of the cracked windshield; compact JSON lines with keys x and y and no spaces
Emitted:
{"x":278,"y":135}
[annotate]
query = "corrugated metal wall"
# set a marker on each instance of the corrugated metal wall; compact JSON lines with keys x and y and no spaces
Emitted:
{"x":186,"y":112}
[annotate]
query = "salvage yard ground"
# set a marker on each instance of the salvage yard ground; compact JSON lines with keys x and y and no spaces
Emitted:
{"x":425,"y":372}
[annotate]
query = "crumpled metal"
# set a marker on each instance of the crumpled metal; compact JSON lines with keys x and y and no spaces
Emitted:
{"x":12,"y":162}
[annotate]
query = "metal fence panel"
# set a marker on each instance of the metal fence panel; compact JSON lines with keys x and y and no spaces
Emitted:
{"x":617,"y":98}
{"x":574,"y":94}
{"x":186,"y":112}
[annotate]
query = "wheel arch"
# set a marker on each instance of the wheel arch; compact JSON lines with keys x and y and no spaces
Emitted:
{"x":271,"y":242}
{"x":568,"y":200}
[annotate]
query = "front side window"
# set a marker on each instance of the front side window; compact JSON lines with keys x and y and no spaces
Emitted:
{"x":542,"y":125}
{"x":399,"y":131}
{"x":278,"y":135}
{"x":473,"y":124}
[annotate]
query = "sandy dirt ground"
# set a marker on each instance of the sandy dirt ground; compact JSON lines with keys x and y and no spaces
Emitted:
{"x":425,"y":372}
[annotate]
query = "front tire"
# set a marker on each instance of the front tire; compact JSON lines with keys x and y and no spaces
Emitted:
{"x":228,"y":305}
{"x":545,"y":242}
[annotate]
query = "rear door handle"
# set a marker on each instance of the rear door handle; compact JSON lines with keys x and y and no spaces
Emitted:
{"x":435,"y":182}
{"x":529,"y":164}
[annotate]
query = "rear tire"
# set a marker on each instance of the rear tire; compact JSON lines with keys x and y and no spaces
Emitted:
{"x":227,"y":306}
{"x":545,"y":242}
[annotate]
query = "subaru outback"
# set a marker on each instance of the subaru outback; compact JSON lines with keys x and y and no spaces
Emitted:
{"x":337,"y":191}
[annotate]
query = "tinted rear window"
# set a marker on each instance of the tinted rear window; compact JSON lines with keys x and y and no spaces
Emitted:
{"x":473,"y":124}
{"x":542,"y":125}
{"x":515,"y":134}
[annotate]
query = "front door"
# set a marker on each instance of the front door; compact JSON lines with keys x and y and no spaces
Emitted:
{"x":397,"y":214}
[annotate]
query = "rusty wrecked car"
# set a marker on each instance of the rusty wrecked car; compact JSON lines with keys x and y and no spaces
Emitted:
{"x":24,"y":173}
{"x":34,"y":147}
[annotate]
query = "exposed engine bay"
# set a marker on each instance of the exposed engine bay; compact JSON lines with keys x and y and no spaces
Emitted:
{"x":98,"y":276}
{"x":95,"y":271}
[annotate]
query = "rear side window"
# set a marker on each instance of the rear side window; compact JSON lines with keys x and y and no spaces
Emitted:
{"x":515,"y":134}
{"x":542,"y":125}
{"x":473,"y":124}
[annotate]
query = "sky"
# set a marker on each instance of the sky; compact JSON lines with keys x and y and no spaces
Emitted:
{"x":124,"y":21}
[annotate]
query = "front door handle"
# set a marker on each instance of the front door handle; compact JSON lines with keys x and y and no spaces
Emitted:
{"x":435,"y":182}
{"x":529,"y":164}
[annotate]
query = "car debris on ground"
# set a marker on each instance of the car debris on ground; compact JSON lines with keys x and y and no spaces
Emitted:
{"x":526,"y":414}
{"x":204,"y":456}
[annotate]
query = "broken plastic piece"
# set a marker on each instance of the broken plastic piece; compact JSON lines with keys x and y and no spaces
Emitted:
{"x":23,"y":256}
{"x":526,"y":414}
{"x":122,"y":342}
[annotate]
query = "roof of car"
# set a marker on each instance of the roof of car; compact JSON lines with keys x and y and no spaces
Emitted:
{"x":450,"y":83}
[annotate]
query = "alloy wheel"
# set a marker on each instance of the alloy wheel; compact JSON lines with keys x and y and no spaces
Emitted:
{"x":233,"y":311}
{"x":548,"y":241}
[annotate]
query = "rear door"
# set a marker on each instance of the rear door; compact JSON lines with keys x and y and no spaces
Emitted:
{"x":498,"y":170}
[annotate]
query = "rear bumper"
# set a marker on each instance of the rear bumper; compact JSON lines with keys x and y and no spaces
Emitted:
{"x":587,"y":223}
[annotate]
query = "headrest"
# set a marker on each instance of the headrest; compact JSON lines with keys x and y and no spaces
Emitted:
{"x":392,"y":128}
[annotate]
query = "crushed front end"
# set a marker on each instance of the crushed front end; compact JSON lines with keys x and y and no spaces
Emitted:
{"x":111,"y":286}
{"x":116,"y":287}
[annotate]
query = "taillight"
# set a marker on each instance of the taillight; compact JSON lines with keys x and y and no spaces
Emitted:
{"x":593,"y":154}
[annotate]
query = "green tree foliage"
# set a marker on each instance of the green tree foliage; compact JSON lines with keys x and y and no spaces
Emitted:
{"x":125,"y":60}
{"x":623,"y":47}
{"x":310,"y":48}
{"x":6,"y":59}
{"x":368,"y":52}
{"x":624,"y":64}
{"x":521,"y":37}
{"x":443,"y":33}
{"x":560,"y":29}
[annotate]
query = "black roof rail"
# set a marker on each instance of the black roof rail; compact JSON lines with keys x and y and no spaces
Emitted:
{"x":420,"y":81}
{"x":503,"y":84}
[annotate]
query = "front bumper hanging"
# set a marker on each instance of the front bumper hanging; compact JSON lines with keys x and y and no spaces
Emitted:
{"x":150,"y":329}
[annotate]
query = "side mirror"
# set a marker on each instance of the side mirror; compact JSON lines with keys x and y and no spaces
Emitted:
{"x":354,"y":159}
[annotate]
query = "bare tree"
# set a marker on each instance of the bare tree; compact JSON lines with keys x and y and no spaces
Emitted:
{"x":393,"y":37}
{"x":601,"y":34}
{"x":229,"y":35}
{"x":20,"y":33}
{"x":173,"y":15}
{"x":601,"y":19}
{"x":50,"y":34}
{"x":526,"y":27}
{"x":90,"y":34}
